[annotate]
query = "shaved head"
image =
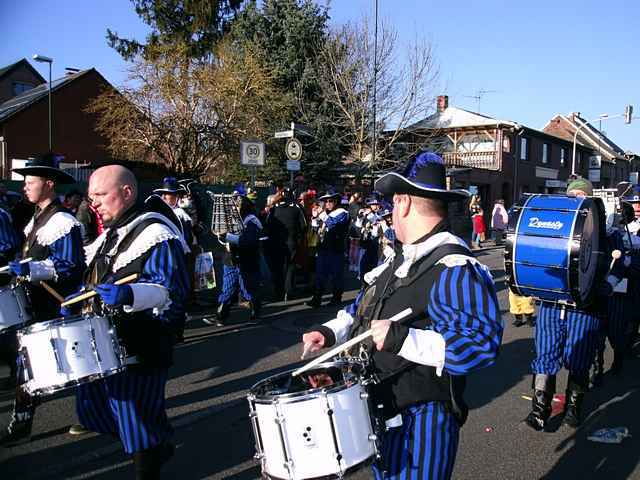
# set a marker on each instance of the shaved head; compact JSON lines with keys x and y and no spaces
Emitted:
{"x":113,"y":190}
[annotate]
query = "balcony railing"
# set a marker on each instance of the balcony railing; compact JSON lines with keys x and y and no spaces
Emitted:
{"x":483,"y":160}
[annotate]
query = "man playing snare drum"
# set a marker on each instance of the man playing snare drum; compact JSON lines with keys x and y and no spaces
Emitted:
{"x":455,"y":327}
{"x":54,"y":243}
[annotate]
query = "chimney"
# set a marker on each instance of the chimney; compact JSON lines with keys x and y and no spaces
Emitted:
{"x":443,"y":103}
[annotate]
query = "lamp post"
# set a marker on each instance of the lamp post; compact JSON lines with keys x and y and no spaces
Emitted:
{"x":49,"y":60}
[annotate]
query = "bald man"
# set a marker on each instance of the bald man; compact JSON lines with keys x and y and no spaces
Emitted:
{"x":148,"y":314}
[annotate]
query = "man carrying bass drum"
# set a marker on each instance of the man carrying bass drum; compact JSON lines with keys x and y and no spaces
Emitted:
{"x":455,"y":327}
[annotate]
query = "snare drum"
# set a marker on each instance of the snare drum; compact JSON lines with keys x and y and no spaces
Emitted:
{"x":14,"y":307}
{"x":554,"y":248}
{"x":313,"y":425}
{"x":66,"y":352}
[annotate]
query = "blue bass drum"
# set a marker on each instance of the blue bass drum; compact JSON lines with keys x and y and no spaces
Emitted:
{"x":554,"y":248}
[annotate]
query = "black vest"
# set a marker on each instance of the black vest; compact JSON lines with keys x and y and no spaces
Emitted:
{"x":141,"y":335}
{"x":43,"y":305}
{"x":404,"y":383}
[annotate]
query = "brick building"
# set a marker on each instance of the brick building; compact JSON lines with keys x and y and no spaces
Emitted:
{"x":18,"y":78}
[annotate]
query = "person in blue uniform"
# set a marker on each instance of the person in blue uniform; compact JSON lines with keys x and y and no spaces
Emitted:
{"x":454,"y":328}
{"x":567,"y":337}
{"x":148,"y":314}
{"x":54,"y":244}
{"x":241,"y":271}
{"x":332,"y":226}
{"x":169,"y":192}
{"x":368,"y":223}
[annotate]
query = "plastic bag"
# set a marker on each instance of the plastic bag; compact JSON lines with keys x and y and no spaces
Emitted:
{"x":205,"y":274}
{"x":609,"y":435}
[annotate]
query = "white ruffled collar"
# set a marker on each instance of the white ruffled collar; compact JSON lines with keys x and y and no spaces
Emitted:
{"x":415,"y":251}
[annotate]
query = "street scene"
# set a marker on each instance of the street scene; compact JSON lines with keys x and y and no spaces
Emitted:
{"x":313,"y":239}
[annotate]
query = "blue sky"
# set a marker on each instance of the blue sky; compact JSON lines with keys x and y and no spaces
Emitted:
{"x":541,"y":58}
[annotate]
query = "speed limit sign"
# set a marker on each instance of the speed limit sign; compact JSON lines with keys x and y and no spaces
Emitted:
{"x":252,"y":153}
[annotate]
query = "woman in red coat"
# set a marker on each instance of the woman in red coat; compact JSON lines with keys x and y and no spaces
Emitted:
{"x":479,"y":229}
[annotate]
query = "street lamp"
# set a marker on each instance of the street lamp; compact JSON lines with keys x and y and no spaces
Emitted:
{"x":49,"y":60}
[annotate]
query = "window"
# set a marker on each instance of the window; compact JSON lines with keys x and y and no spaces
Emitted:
{"x":545,"y":153}
{"x":563,"y":156}
{"x":524,"y":144}
{"x":20,"y":87}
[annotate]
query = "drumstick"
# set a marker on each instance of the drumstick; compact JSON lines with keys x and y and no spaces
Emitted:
{"x":51,"y":290}
{"x":616,"y":254}
{"x":343,"y":346}
{"x":93,"y":293}
{"x":6,"y":267}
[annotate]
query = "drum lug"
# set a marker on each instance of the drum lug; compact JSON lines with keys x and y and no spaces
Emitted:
{"x":373,"y":437}
{"x":364,"y":395}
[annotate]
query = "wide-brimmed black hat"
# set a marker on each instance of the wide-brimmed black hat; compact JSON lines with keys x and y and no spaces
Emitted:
{"x":46,"y":166}
{"x":185,"y":185}
{"x":330,"y":193}
{"x":169,"y":185}
{"x":424,"y":176}
{"x":374,"y":199}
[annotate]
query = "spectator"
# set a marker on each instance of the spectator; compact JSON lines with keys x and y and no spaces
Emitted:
{"x":499,"y":221}
{"x":72,"y":201}
{"x":479,"y":229}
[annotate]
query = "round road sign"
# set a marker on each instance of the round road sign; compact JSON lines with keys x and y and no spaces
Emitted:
{"x":294,"y":149}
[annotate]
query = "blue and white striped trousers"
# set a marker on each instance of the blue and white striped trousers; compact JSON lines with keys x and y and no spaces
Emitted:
{"x":130,"y":404}
{"x":424,"y":447}
{"x":570,"y":342}
{"x":233,"y":281}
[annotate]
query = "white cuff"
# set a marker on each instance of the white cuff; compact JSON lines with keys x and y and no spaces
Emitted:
{"x":148,"y":295}
{"x":358,"y":222}
{"x":340,"y":326}
{"x":42,"y":270}
{"x":314,"y":222}
{"x":323,"y":216}
{"x":384,"y":226}
{"x":233,"y":238}
{"x":425,"y":347}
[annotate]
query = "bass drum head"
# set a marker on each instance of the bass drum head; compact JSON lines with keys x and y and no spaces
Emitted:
{"x":591,"y":242}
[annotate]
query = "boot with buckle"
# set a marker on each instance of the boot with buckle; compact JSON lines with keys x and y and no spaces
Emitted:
{"x":544,"y":387}
{"x":574,"y":397}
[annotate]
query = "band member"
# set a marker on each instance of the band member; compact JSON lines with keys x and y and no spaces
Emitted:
{"x":368,"y":224}
{"x":566,"y":337}
{"x":54,"y":243}
{"x":632,"y":196}
{"x":148,"y":315}
{"x":332,"y":226}
{"x":169,"y":192}
{"x":285,"y":227}
{"x":454,"y":328}
{"x":241,"y":271}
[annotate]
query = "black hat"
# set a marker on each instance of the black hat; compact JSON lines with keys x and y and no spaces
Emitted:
{"x":169,"y":185}
{"x":185,"y":185}
{"x":374,"y":199}
{"x":424,"y":176}
{"x":330,"y":193}
{"x":46,"y":166}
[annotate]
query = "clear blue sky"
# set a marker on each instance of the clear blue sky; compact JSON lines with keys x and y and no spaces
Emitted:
{"x":542,"y":58}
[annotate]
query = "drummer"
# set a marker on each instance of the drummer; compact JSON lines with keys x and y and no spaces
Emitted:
{"x":54,"y":242}
{"x":455,"y":327}
{"x":149,"y":317}
{"x":567,"y":337}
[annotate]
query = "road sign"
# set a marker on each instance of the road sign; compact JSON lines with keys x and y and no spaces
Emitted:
{"x":284,"y":134}
{"x":252,"y":153}
{"x":293,"y":149}
{"x":293,"y":165}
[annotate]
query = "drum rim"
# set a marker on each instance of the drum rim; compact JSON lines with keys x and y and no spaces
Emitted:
{"x":45,"y":391}
{"x":305,"y":394}
{"x":38,"y":327}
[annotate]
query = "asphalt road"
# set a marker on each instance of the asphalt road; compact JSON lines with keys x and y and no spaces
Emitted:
{"x":215,"y":367}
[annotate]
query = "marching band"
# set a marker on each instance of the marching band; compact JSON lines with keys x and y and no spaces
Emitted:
{"x":104,"y":319}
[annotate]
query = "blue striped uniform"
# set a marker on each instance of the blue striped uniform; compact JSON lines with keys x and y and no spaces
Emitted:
{"x":67,"y":256}
{"x":463,"y":307}
{"x":9,"y":240}
{"x":232,"y":282}
{"x":568,"y":342}
{"x":330,"y":263}
{"x":131,"y":404}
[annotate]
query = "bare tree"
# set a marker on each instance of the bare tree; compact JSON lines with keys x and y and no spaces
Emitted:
{"x":405,"y":83}
{"x":190,"y":114}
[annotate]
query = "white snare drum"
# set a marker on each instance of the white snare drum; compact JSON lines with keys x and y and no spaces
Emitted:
{"x":66,"y":352}
{"x":14,"y":308}
{"x":304,"y":432}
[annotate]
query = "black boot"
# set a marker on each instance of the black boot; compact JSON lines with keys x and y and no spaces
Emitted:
{"x":336,"y":298}
{"x":222,"y":314}
{"x":529,"y":319}
{"x":17,"y":432}
{"x":618,"y":363}
{"x":316,"y":300}
{"x":544,"y":386}
{"x":254,"y":307}
{"x":598,"y":369}
{"x":517,"y":320}
{"x":574,"y":396}
{"x":148,"y":462}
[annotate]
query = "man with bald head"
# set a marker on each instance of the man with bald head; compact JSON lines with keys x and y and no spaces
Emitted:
{"x":148,"y":315}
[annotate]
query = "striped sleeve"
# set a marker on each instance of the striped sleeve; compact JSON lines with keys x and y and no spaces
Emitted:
{"x":465,"y":311}
{"x":166,"y":266}
{"x":334,"y":220}
{"x":67,"y":256}
{"x":9,"y":241}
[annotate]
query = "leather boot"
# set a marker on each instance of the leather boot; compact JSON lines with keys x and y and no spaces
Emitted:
{"x":517,"y":320}
{"x":598,"y":369}
{"x":574,"y":396}
{"x":222,"y":313}
{"x":17,"y":432}
{"x":148,"y":462}
{"x":316,"y":300}
{"x":336,"y":298}
{"x":544,"y":386}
